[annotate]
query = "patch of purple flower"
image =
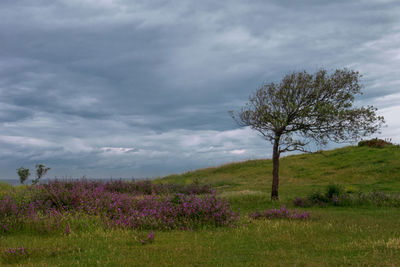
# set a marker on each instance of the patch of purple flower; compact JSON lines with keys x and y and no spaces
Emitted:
{"x":149,"y":207}
{"x":282,"y":213}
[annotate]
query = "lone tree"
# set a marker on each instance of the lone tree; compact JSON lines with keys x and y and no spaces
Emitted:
{"x":305,"y":108}
{"x":41,"y":171}
{"x":23,"y":174}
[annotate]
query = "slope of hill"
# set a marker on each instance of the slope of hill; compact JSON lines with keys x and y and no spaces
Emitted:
{"x":357,"y":168}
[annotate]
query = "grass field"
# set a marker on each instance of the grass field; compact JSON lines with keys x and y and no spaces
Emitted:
{"x":364,"y":235}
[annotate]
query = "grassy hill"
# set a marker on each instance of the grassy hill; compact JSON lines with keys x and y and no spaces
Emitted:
{"x":357,"y":168}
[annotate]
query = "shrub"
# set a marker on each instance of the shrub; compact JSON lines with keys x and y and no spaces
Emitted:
{"x":376,"y":143}
{"x":334,"y":190}
{"x":318,"y":197}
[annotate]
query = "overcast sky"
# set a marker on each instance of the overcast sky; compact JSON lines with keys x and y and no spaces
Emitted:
{"x":142,"y":88}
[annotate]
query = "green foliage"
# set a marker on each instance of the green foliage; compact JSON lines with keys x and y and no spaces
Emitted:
{"x":318,"y":197}
{"x":41,"y":171}
{"x":318,"y":107}
{"x":334,"y":190}
{"x":23,"y":174}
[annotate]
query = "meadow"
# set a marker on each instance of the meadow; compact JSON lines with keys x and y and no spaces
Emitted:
{"x":218,"y":216}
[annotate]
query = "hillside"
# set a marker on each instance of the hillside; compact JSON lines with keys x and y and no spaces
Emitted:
{"x":357,"y":168}
{"x":365,"y":233}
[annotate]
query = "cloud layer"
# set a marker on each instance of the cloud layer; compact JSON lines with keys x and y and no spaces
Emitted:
{"x":142,"y":88}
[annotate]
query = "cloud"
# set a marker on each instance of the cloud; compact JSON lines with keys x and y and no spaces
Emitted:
{"x":392,"y":129}
{"x":238,"y":151}
{"x":24,"y":141}
{"x":143,"y":87}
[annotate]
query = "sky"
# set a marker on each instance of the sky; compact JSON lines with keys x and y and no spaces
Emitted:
{"x":130,"y":88}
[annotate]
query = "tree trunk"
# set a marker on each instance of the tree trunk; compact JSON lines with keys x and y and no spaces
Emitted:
{"x":275,"y":170}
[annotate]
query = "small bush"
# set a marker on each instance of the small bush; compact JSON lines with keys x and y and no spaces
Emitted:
{"x":334,"y":190}
{"x":318,"y":197}
{"x":376,"y":143}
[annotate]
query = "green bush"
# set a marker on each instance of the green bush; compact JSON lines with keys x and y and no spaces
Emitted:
{"x":334,"y":190}
{"x":376,"y":143}
{"x":318,"y":197}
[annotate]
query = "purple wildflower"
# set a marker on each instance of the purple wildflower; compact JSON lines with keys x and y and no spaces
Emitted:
{"x":150,"y":237}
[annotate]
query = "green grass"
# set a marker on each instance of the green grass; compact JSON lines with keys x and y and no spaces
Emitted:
{"x":339,"y":237}
{"x":335,"y":236}
{"x":357,"y":167}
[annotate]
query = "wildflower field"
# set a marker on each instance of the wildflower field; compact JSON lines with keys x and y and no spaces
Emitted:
{"x":338,"y":207}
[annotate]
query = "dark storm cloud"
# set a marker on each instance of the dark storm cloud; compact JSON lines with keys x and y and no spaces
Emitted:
{"x":143,"y":87}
